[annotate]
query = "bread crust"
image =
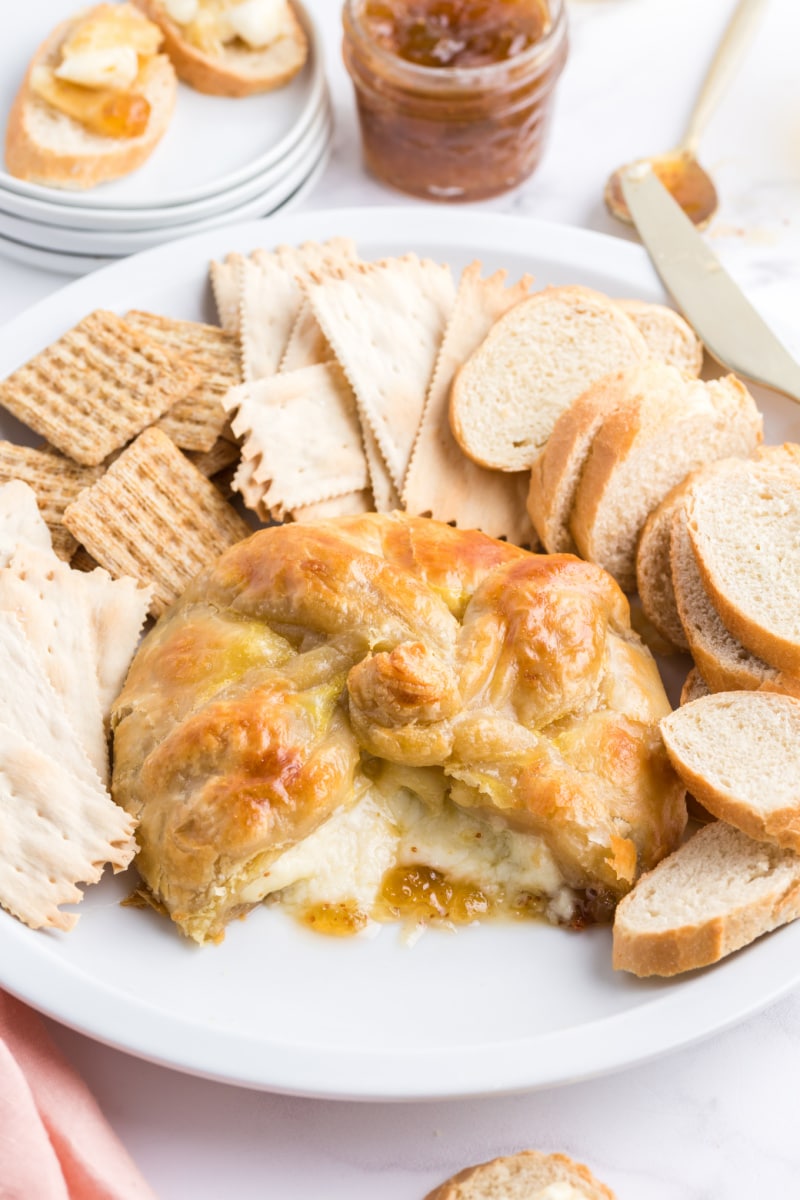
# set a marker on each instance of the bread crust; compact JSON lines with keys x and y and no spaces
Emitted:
{"x":28,"y":159}
{"x":668,"y":952}
{"x":778,"y":826}
{"x":548,"y":1168}
{"x":214,"y":76}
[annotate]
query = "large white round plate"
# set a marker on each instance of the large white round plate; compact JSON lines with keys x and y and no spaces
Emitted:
{"x":172,"y":216}
{"x":489,"y":1009}
{"x":296,"y":166}
{"x":212,"y":143}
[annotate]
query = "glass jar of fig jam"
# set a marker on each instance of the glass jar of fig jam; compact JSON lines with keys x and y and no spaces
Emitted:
{"x":454,"y":96}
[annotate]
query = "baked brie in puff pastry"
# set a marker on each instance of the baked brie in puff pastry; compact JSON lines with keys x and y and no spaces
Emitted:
{"x":347,"y":711}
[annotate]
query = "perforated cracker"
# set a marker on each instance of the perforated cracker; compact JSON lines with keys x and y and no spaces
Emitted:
{"x":55,"y":481}
{"x":196,"y":421}
{"x":303,"y":430}
{"x":385,"y":322}
{"x":441,"y":481}
{"x":56,"y":832}
{"x":154,"y":517}
{"x":307,"y":344}
{"x":271,"y":298}
{"x":117,"y":610}
{"x":48,"y":599}
{"x":96,"y":387}
{"x":226,"y":284}
{"x":20,"y":521}
{"x":350,"y":505}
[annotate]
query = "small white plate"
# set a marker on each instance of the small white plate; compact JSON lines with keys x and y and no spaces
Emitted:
{"x":296,"y":166}
{"x":173,"y":216}
{"x":83,"y":264}
{"x":490,"y":1009}
{"x":212,"y":143}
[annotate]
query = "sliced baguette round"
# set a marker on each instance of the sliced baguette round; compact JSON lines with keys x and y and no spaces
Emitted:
{"x":45,"y":146}
{"x":535,"y":361}
{"x":744,"y":526}
{"x":694,"y":687}
{"x":724,"y":663}
{"x":668,"y":427}
{"x":528,"y":1175}
{"x":238,"y":71}
{"x":718,"y":892}
{"x":669,"y":338}
{"x":556,"y":471}
{"x":739,"y":755}
{"x":654,"y":571}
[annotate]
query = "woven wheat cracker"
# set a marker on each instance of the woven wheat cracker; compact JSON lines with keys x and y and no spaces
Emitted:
{"x":223,"y":454}
{"x":55,"y":481}
{"x":97,"y":387}
{"x":154,"y":517}
{"x":385,"y":322}
{"x":196,"y":421}
{"x":56,"y":832}
{"x":303,"y":429}
{"x":441,"y":481}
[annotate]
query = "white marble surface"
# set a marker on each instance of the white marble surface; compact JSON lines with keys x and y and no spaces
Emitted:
{"x":716,"y":1122}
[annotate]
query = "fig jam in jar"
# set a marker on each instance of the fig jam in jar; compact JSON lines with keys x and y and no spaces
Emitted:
{"x":454,"y":96}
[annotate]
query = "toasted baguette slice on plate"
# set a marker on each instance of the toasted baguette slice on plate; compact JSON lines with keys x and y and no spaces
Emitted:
{"x":44,"y":145}
{"x":235,"y":68}
{"x":536,"y":360}
{"x":529,"y":1175}
{"x":739,"y":755}
{"x":718,"y":892}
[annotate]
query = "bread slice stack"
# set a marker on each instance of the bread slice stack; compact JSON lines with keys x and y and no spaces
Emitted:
{"x":739,"y":877}
{"x":529,"y":1175}
{"x":618,"y":451}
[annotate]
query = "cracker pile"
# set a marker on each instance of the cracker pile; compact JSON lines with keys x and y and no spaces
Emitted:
{"x":66,"y":639}
{"x":347,"y":372}
{"x":117,"y":399}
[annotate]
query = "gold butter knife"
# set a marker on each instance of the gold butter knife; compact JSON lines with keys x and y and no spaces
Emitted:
{"x":712,"y":303}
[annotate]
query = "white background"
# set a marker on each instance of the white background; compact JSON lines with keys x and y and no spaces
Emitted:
{"x":718,"y":1121}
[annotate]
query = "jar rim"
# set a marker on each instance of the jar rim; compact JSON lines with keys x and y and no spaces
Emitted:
{"x":464,"y":76}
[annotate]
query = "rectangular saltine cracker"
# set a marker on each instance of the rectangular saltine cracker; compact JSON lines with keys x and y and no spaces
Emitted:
{"x":153,"y":516}
{"x":97,"y":387}
{"x":385,"y":322}
{"x":441,"y":481}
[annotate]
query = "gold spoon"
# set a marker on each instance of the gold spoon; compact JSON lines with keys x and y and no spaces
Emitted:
{"x":680,"y":172}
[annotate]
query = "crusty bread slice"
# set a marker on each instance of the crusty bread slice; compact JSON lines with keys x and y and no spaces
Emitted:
{"x":556,"y":472}
{"x":668,"y":427}
{"x":669,"y":338}
{"x":528,"y":1175}
{"x":744,"y":525}
{"x":239,"y":71}
{"x":45,"y":146}
{"x":723,"y":661}
{"x":654,"y":571}
{"x":739,"y":755}
{"x":534,"y":362}
{"x":694,"y":686}
{"x":718,"y":892}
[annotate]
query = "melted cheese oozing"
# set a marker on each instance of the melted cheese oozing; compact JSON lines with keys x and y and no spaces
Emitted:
{"x":344,"y":863}
{"x":559,"y":1191}
{"x":213,"y":24}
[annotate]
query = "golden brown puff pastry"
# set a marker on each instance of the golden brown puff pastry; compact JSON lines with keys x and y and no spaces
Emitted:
{"x":251,"y":706}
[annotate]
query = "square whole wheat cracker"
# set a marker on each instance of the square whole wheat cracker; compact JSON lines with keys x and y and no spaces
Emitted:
{"x":155,"y":517}
{"x":271,"y":298}
{"x":56,"y":832}
{"x":196,"y":421}
{"x":441,"y":481}
{"x":97,"y":387}
{"x":302,"y":429}
{"x":223,"y":454}
{"x":55,"y":481}
{"x":385,"y":322}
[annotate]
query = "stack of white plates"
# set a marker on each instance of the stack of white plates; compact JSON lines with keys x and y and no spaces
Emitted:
{"x":220,"y":161}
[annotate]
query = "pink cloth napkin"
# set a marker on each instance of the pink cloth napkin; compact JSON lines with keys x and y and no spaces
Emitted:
{"x":55,"y":1143}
